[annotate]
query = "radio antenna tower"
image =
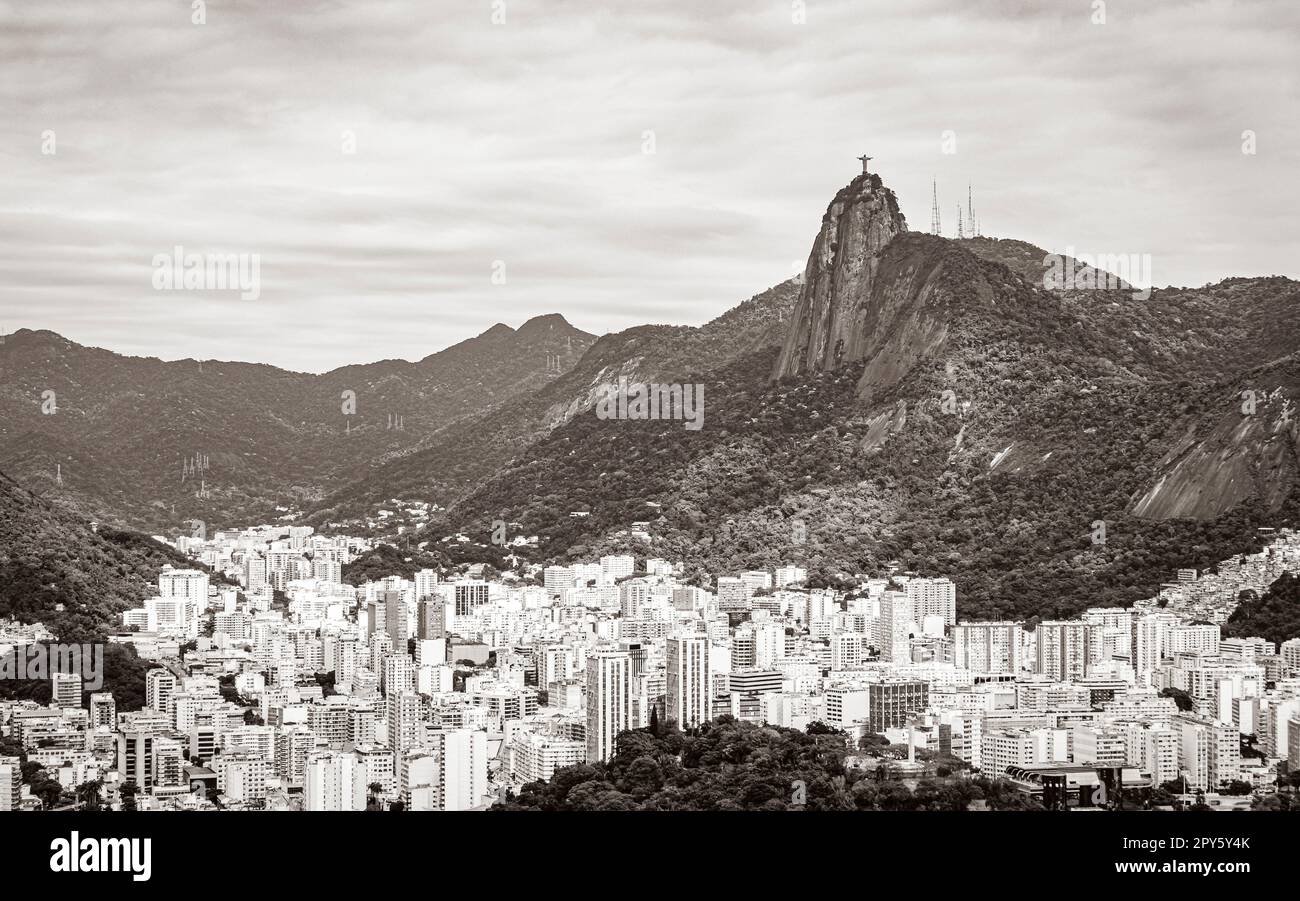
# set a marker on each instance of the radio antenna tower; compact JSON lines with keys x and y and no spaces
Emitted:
{"x":934,"y":209}
{"x":970,"y":211}
{"x":960,"y":233}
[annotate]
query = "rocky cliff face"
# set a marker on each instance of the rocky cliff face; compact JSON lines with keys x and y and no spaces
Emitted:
{"x":1247,"y":448}
{"x":831,"y":320}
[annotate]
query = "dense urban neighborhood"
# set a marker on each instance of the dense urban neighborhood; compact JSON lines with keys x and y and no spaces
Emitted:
{"x":274,"y":684}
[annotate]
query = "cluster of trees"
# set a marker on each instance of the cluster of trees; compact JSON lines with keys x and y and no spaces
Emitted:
{"x":1275,"y":615}
{"x":1181,"y":698}
{"x":729,"y":764}
{"x":123,"y":675}
{"x":56,"y":570}
{"x":386,"y":560}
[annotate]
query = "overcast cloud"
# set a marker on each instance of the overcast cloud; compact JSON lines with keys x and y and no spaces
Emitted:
{"x":523,"y":143}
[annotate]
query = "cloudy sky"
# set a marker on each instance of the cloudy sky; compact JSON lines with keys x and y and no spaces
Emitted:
{"x":526,"y":143}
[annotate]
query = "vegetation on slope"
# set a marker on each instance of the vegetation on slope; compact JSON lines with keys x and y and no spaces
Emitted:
{"x":1275,"y":615}
{"x":730,"y":764}
{"x":56,"y":570}
{"x":1020,"y":540}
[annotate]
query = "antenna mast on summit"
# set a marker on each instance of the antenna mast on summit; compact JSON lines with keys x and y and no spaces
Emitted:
{"x":960,"y":234}
{"x":970,"y":211}
{"x":934,"y":209}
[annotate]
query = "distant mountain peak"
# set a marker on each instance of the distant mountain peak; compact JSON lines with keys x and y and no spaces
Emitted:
{"x":36,"y":336}
{"x":546,"y":322}
{"x":538,"y":326}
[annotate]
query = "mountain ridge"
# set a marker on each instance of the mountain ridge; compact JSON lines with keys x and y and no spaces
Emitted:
{"x":112,"y":436}
{"x":53,"y":337}
{"x":908,"y":398}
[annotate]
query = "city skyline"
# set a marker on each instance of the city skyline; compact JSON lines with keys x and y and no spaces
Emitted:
{"x":804,"y":659}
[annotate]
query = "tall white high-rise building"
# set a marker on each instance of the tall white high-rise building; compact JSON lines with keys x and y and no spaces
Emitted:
{"x":1116,"y":630}
{"x":184,"y":583}
{"x":790,"y":575}
{"x":1149,"y":645}
{"x":848,"y":650}
{"x":1274,"y":725}
{"x":426,"y":583}
{"x":397,"y":673}
{"x":933,"y":597}
{"x":242,"y":776}
{"x":989,"y":648}
{"x":396,"y":619}
{"x":769,"y":643}
{"x":1066,"y":648}
{"x":1289,"y":651}
{"x":65,"y":689}
{"x":633,"y":596}
{"x":1192,"y":639}
{"x":846,"y":705}
{"x":1225,"y":754}
{"x":334,"y":781}
{"x":175,"y":616}
{"x":609,"y":701}
{"x":103,"y":710}
{"x":159,"y":686}
{"x":689,"y":694}
{"x":11,"y":783}
{"x":327,"y":570}
{"x":895,"y":627}
{"x":462,"y":780}
{"x":404,"y":722}
{"x":255,"y":572}
{"x":1209,"y":752}
{"x":616,"y":566}
{"x":418,"y":780}
{"x":1153,"y":748}
{"x":470,"y":594}
{"x":557,"y":578}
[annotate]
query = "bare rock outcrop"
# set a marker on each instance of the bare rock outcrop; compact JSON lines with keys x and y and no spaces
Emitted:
{"x":830,"y":323}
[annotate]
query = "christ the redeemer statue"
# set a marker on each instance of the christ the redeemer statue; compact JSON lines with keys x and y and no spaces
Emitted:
{"x":865,"y":160}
